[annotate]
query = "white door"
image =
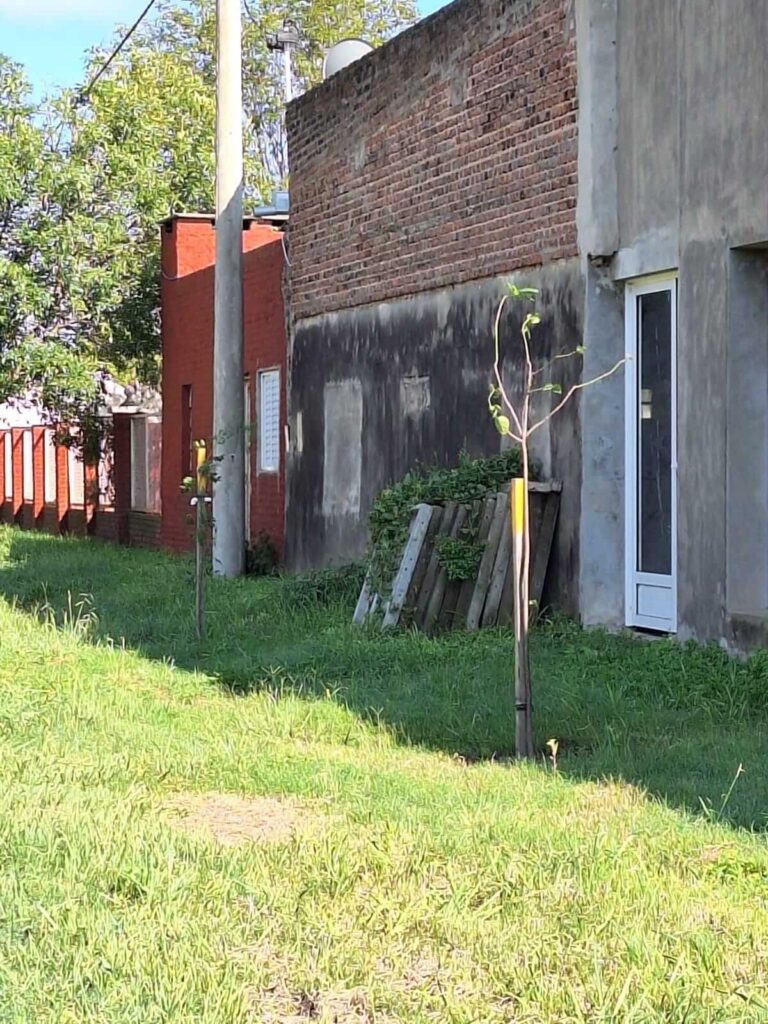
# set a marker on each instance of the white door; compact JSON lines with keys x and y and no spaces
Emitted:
{"x":651,"y":454}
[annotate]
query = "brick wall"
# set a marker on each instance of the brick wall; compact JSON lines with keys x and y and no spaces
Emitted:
{"x":27,"y":505}
{"x":188,"y":248}
{"x":448,"y":155}
{"x":144,"y":529}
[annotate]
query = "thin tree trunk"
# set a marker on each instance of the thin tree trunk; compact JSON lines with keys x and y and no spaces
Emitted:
{"x":518,"y":426}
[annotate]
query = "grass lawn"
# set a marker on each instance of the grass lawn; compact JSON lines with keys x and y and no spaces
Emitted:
{"x":398,"y":869}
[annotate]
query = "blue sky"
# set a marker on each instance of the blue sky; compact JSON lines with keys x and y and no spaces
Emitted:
{"x":50,"y":37}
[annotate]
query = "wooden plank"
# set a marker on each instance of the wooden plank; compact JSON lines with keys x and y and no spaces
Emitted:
{"x":507,"y":604}
{"x":540,"y":555}
{"x":500,"y":570}
{"x":363,"y":606}
{"x":536,"y":502}
{"x":487,"y":562}
{"x":482,"y":513}
{"x":447,"y":614}
{"x":433,"y":568}
{"x":545,"y":487}
{"x":437,"y":593}
{"x":419,"y":526}
{"x":422,"y":564}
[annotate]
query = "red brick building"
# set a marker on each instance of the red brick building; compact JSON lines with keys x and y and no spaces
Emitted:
{"x":188,"y":249}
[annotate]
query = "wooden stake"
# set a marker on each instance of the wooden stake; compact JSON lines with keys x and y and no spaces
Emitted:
{"x":518,"y":499}
{"x":200,"y":520}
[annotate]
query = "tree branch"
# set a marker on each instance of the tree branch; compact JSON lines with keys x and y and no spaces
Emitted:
{"x":572,"y":391}
{"x":563,"y":355}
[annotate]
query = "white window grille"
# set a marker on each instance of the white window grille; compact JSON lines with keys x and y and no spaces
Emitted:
{"x":269,"y":421}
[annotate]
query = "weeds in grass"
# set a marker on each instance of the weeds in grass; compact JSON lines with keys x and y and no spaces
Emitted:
{"x":78,"y":616}
{"x":338,"y":585}
{"x":718,"y":815}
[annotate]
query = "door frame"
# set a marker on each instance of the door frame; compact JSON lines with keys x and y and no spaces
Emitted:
{"x":632,"y":576}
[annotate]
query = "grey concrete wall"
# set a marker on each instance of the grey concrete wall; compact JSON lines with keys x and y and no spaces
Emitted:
{"x":376,"y":390}
{"x":747,"y":434}
{"x":597,"y":209}
{"x":648,"y":49}
{"x":691,"y":153}
{"x":601,"y":597}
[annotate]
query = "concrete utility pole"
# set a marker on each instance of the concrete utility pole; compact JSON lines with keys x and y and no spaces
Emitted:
{"x":228,"y":399}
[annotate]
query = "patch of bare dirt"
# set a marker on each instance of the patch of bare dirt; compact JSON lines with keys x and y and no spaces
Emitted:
{"x":278,"y":1006}
{"x":233,"y":819}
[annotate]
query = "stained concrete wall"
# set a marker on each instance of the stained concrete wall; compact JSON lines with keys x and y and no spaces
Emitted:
{"x":747,"y":434}
{"x":691,"y":151}
{"x":377,"y":390}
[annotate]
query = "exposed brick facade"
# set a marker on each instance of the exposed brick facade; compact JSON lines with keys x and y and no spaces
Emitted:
{"x":26,"y":505}
{"x":188,"y":249}
{"x":448,"y":155}
{"x":17,"y":464}
{"x":144,"y":529}
{"x":38,"y":474}
{"x":62,"y":487}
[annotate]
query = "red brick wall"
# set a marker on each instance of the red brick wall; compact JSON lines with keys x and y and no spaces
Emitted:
{"x":188,"y":247}
{"x":62,"y":487}
{"x":145,"y":528}
{"x":17,"y":464}
{"x":448,"y":155}
{"x":38,"y":473}
{"x":103,"y":525}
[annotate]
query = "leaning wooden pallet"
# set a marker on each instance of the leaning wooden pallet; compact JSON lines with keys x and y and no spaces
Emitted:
{"x":424,"y":594}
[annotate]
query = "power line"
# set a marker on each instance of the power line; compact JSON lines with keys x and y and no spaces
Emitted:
{"x":83,"y":96}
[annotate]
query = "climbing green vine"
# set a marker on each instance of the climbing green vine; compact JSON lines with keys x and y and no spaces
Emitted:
{"x":391,"y":511}
{"x":460,"y":556}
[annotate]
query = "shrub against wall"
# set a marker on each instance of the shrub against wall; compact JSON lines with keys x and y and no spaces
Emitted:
{"x":390,"y":515}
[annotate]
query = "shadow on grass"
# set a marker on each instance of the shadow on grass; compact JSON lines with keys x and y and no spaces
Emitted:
{"x":677,"y":722}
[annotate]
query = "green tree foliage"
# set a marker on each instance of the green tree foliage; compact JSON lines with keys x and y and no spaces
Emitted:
{"x":85,"y":179}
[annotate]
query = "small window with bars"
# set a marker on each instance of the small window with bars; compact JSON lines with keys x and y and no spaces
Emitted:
{"x":269,"y":421}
